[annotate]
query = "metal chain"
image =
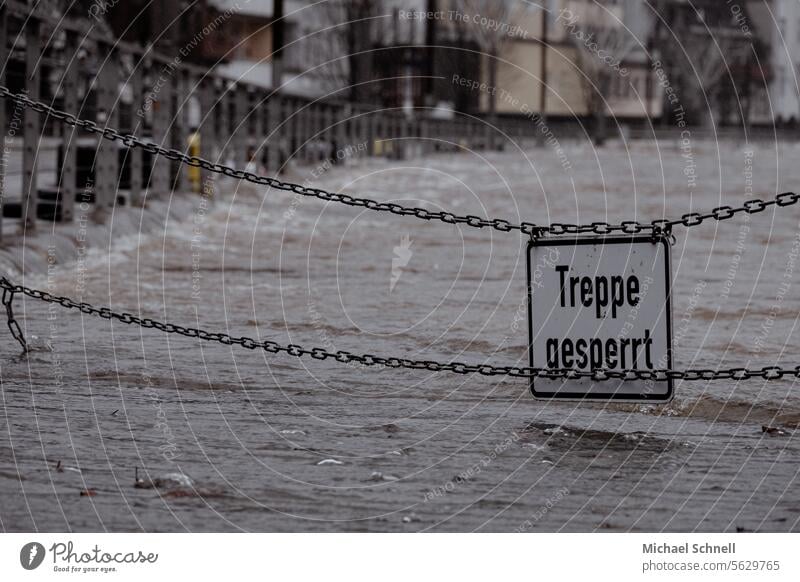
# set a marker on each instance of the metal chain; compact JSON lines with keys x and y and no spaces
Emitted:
{"x":626,"y":227}
{"x":13,"y":326}
{"x":271,"y":347}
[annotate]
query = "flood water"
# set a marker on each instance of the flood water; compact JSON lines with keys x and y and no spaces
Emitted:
{"x":275,"y":443}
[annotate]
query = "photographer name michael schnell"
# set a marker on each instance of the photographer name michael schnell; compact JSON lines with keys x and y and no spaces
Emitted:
{"x":686,"y":548}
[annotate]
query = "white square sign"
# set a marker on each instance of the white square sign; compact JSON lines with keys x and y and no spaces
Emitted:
{"x":600,"y":302}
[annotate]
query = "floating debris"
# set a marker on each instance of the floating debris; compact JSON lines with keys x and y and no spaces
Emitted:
{"x":330,"y":462}
{"x":182,"y":493}
{"x":774,"y":431}
{"x":167,"y":481}
{"x":556,"y":431}
{"x":37,"y":344}
{"x":294,"y":431}
{"x":88,"y":492}
{"x":378,"y":477}
{"x":534,"y":446}
{"x":60,"y":468}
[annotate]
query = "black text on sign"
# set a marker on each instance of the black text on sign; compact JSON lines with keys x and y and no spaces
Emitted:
{"x":600,"y":303}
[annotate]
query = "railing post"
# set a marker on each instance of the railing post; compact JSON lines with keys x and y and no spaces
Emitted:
{"x":160,"y":166}
{"x":180,"y":131}
{"x":69,"y":134}
{"x":326,"y":135}
{"x":308,"y":128}
{"x":369,"y":125}
{"x":289,"y":118}
{"x":239,"y":128}
{"x":137,"y":119}
{"x":208,"y":125}
{"x":271,"y":133}
{"x":31,"y":132}
{"x":339,"y":115}
{"x":3,"y":137}
{"x":225,"y":125}
{"x":315,"y":132}
{"x":262,"y":121}
{"x":312,"y":154}
{"x":107,"y":158}
{"x":295,"y":127}
{"x":208,"y":128}
{"x":255,"y":124}
{"x":364,"y":129}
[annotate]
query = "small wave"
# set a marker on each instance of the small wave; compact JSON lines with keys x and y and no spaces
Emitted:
{"x":182,"y":382}
{"x":229,"y":268}
{"x":710,"y":408}
{"x":556,"y":436}
{"x":709,"y":314}
{"x":468,"y":345}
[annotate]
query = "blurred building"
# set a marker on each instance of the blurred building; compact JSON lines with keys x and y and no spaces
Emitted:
{"x":446,"y":44}
{"x":776,"y":24}
{"x":620,"y":29}
{"x":728,"y":62}
{"x":716,"y":58}
{"x":244,"y":42}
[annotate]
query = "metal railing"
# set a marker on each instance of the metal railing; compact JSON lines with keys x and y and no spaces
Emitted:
{"x":71,"y":66}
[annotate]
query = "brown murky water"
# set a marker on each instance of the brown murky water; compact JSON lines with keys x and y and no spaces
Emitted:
{"x":274,"y":443}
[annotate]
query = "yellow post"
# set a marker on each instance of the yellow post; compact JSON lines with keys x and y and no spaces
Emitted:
{"x":193,"y":172}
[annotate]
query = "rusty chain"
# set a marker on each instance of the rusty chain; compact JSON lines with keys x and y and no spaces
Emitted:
{"x":272,"y":347}
{"x":626,"y":227}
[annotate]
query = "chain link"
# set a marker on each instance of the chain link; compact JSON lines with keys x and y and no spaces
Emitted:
{"x":660,"y":226}
{"x":13,"y":326}
{"x":272,"y":347}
